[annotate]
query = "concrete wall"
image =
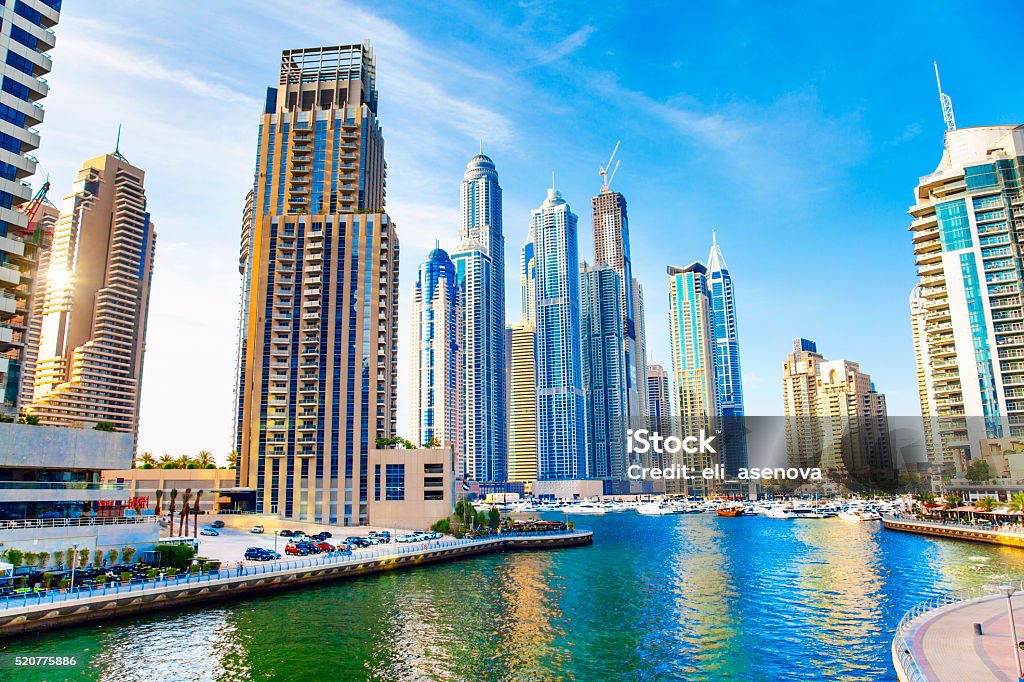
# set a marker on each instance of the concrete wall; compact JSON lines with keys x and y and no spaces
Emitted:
{"x":141,"y":536}
{"x":53,"y":447}
{"x":145,"y":483}
{"x":414,"y":511}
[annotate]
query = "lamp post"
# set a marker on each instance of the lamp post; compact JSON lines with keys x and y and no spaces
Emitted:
{"x":1008,"y":590}
{"x":74,"y":562}
{"x":275,"y":539}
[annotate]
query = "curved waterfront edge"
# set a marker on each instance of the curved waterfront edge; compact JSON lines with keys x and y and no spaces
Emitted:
{"x":955,"y":531}
{"x":52,"y":612}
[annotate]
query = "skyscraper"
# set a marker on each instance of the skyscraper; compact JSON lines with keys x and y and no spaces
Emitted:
{"x":528,"y":280}
{"x":604,"y":374}
{"x":480,"y":268}
{"x":693,"y":361}
{"x":435,"y":354}
{"x":925,"y":383}
{"x":836,"y":419}
{"x":966,"y":221}
{"x":25,"y":30}
{"x":92,"y":332}
{"x":728,"y":379}
{"x":659,"y":409}
{"x":521,"y":360}
{"x":319,"y":378}
{"x":562,"y":446}
{"x":46,"y":220}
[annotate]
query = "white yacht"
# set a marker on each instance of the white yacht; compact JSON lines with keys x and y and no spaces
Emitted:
{"x":585,"y":508}
{"x":779,"y":512}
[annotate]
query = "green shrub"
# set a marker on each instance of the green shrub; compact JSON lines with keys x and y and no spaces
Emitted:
{"x":97,"y":557}
{"x":171,"y":572}
{"x":177,"y":556}
{"x":48,"y":580}
{"x":64,"y":583}
{"x":127,"y":554}
{"x":443,"y":526}
{"x":101,"y":579}
{"x":151,"y":573}
{"x":15,"y":557}
{"x":126,"y":576}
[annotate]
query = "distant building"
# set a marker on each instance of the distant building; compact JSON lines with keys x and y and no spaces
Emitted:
{"x":562,"y":447}
{"x":965,"y":231}
{"x":528,"y":280}
{"x":412,"y":489}
{"x":836,"y":419}
{"x":728,"y":377}
{"x":659,"y":409}
{"x":521,"y":380}
{"x":480,"y":268}
{"x":693,"y":364}
{"x":435,"y":354}
{"x":27,"y":37}
{"x":46,"y":220}
{"x":92,"y":336}
{"x":941,"y":460}
{"x":604,"y":374}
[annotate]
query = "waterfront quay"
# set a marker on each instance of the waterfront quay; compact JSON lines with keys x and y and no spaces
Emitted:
{"x":21,"y":615}
{"x":957,"y":531}
{"x":965,"y":635}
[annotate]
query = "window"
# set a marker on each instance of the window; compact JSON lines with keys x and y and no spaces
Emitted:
{"x":433,"y":495}
{"x":394,"y":484}
{"x":433,"y":468}
{"x":980,"y":176}
{"x":12,"y":115}
{"x":11,"y":144}
{"x":433,"y":482}
{"x":15,"y":88}
{"x":24,"y":37}
{"x":20,"y":63}
{"x":954,"y":227}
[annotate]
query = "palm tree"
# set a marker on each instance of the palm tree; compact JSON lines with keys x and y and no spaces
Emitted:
{"x":195,"y":514}
{"x":174,"y":496}
{"x":1016,"y":503}
{"x":144,"y":459}
{"x":184,"y":510}
{"x":986,"y":504}
{"x":182,"y":461}
{"x":159,"y":495}
{"x":952,"y":501}
{"x":204,"y":459}
{"x":164,"y":459}
{"x":233,"y":459}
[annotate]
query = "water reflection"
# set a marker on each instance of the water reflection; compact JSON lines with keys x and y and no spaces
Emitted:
{"x":681,"y":597}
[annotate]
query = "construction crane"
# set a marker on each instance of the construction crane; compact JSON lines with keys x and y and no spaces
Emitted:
{"x":606,"y":177}
{"x":30,"y":209}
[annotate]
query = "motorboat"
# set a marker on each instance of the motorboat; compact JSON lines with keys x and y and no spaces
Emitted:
{"x":654,"y":509}
{"x":779,"y":512}
{"x":804,"y":512}
{"x":585,"y":508}
{"x":854,"y":514}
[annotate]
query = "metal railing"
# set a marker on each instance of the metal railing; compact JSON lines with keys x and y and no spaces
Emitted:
{"x":1001,"y":529}
{"x":336,"y":558}
{"x":901,"y":648}
{"x":62,"y":485}
{"x":18,"y":524}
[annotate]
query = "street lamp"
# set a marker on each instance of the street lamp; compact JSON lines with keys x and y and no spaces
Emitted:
{"x":275,"y":539}
{"x":74,"y":560}
{"x":1008,"y":590}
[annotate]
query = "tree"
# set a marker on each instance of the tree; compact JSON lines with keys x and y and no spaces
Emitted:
{"x":31,"y":558}
{"x":434,"y":442}
{"x":44,"y":559}
{"x":164,"y":460}
{"x":97,"y":557}
{"x":494,"y":518}
{"x":58,"y":557}
{"x":181,"y":461}
{"x":184,"y":510}
{"x":127,"y":554}
{"x":174,"y":497}
{"x":952,"y":500}
{"x":1016,"y":503}
{"x":104,"y":426}
{"x":83,"y":557}
{"x":986,"y":504}
{"x":30,"y":419}
{"x":204,"y":459}
{"x":112,"y":557}
{"x":177,"y":556}
{"x":978,"y":471}
{"x":15,"y":557}
{"x":195,"y":515}
{"x":233,"y":460}
{"x":159,"y":496}
{"x":145,"y":459}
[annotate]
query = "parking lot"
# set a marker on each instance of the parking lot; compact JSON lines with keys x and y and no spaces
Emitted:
{"x":231,"y":544}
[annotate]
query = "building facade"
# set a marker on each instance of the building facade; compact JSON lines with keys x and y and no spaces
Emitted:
{"x":480,"y":267}
{"x":728,"y":377}
{"x":26,"y":31}
{"x":92,"y":337}
{"x":320,"y":377}
{"x":46,"y":222}
{"x":605,"y":371}
{"x":521,"y":380}
{"x":802,"y":408}
{"x":659,"y":396}
{"x":693,"y":362}
{"x":435,"y":354}
{"x":528,"y":280}
{"x":939,"y":459}
{"x":968,"y":220}
{"x":561,"y":415}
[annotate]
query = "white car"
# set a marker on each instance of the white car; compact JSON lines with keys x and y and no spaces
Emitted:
{"x":256,"y":529}
{"x":411,"y":537}
{"x":209,"y":531}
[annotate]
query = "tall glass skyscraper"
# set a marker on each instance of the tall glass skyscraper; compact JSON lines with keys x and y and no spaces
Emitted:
{"x":693,"y":362}
{"x":528,"y":280}
{"x":319,"y":375}
{"x":611,"y":248}
{"x":562,"y":447}
{"x":435,"y":353}
{"x":968,"y":218}
{"x":604,"y":375}
{"x":480,"y":268}
{"x":728,"y":379}
{"x":25,"y":30}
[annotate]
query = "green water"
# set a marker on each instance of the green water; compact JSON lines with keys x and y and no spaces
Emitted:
{"x":655,"y":598}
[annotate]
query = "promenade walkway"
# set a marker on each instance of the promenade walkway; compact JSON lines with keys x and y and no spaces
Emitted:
{"x":939,"y":644}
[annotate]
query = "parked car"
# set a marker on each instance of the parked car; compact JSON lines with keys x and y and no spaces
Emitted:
{"x":261,"y":554}
{"x":256,"y":529}
{"x":217,"y":524}
{"x":357,"y":541}
{"x":408,"y":537}
{"x":325,"y":547}
{"x":286,"y":533}
{"x":208,"y":531}
{"x":295,"y":550}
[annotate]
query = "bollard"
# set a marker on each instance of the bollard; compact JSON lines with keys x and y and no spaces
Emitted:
{"x":977,"y":629}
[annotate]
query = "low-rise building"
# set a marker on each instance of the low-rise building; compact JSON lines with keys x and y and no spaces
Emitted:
{"x":411,"y":488}
{"x":218,"y":485}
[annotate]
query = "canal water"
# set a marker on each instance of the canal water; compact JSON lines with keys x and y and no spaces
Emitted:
{"x":655,"y":598}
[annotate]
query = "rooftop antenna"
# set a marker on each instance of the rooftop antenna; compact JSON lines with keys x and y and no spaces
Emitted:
{"x":117,"y":145}
{"x":606,"y":177}
{"x":481,"y":146}
{"x":552,"y":179}
{"x":947,"y":103}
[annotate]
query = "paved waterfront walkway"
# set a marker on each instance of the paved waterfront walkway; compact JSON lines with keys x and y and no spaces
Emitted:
{"x":945,"y":647}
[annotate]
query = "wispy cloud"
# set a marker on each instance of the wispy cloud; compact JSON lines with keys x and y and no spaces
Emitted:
{"x":564,"y":48}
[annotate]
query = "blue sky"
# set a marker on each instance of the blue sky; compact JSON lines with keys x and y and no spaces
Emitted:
{"x":796,"y":130}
